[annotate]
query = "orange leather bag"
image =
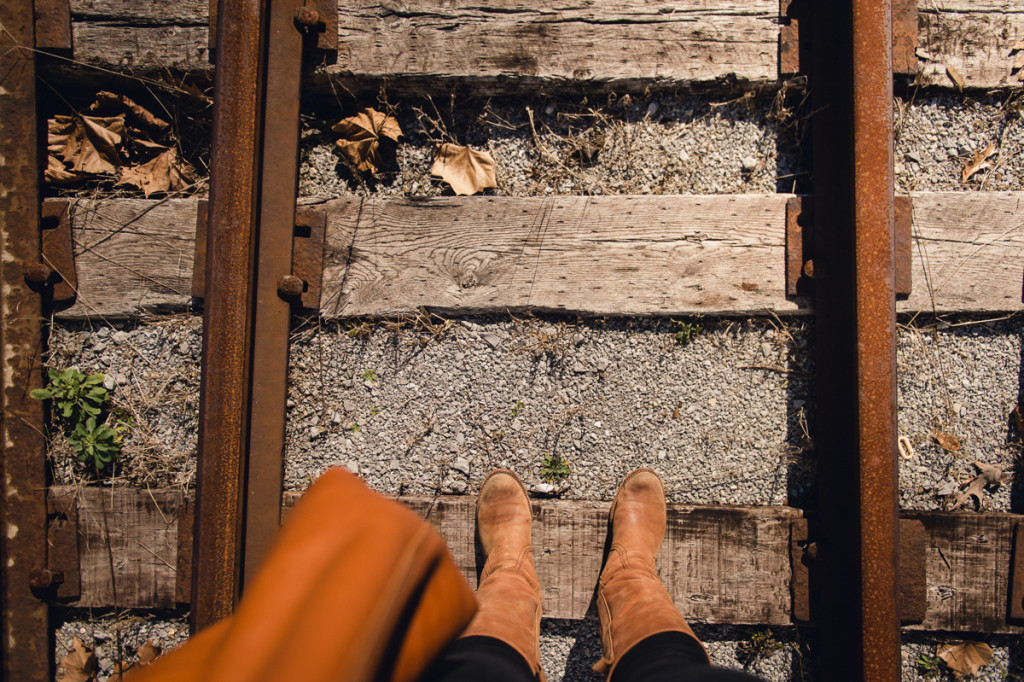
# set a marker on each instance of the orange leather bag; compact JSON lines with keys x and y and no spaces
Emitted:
{"x":356,"y":587}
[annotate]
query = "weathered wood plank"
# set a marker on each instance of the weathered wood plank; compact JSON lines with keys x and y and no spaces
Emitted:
{"x":653,"y":255}
{"x":968,"y":570}
{"x":721,"y":564}
{"x":511,"y":46}
{"x":626,"y":255}
{"x":968,"y":252}
{"x":134,"y":257}
{"x":671,"y":43}
{"x":972,"y":36}
{"x":127,"y":546}
{"x":150,"y":48}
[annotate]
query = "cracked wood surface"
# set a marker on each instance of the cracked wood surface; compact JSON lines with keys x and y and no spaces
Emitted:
{"x":616,"y":255}
{"x":509,"y":46}
{"x":721,"y":564}
{"x":972,"y":36}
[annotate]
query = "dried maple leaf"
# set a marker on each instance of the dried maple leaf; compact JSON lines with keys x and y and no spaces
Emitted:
{"x":86,"y":144}
{"x":361,"y":135}
{"x":466,"y":170}
{"x":978,"y":162}
{"x":80,"y":664}
{"x":165,"y":172}
{"x":988,"y":475}
{"x":947,"y":441}
{"x":965,"y":658}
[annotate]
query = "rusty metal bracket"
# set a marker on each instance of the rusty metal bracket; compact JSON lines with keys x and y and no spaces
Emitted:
{"x":803,"y":554}
{"x":58,"y":253}
{"x":794,"y":44}
{"x":1016,"y":607}
{"x":317,"y":17}
{"x":302,"y":287}
{"x":801,"y":266}
{"x":53,"y":25}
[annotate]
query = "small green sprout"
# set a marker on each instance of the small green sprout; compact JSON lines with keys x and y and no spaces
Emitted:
{"x":96,"y":444}
{"x":374,"y":410}
{"x":685,"y":331}
{"x":518,"y":406}
{"x":75,"y":395}
{"x":369,"y":375}
{"x":554,"y":469}
{"x":762,"y":644}
{"x":355,"y":427}
{"x":80,"y":402}
{"x":928,"y":666}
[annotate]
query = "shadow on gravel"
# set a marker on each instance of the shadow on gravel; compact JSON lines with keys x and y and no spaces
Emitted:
{"x":1014,"y":435}
{"x":800,"y":407}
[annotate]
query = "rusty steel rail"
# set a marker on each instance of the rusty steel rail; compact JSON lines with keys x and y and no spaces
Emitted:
{"x":249,"y":292}
{"x":27,"y":583}
{"x":851,"y":83}
{"x":228,"y":312}
{"x":279,"y":186}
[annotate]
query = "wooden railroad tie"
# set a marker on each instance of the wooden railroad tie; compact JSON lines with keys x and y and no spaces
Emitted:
{"x":736,"y":565}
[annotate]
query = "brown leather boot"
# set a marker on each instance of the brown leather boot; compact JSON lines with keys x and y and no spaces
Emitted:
{"x":509,"y":593}
{"x":631,"y":601}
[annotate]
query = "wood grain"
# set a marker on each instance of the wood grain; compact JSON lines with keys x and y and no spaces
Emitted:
{"x":620,"y":255}
{"x":506,"y":46}
{"x":720,"y":564}
{"x":968,"y":570}
{"x":134,"y":257}
{"x":127,"y":546}
{"x":654,"y":255}
{"x":670,"y":43}
{"x":972,"y":36}
{"x":968,"y":252}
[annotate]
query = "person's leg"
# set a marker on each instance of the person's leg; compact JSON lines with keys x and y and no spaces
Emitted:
{"x":471,"y":659}
{"x":504,"y":632}
{"x":631,"y":601}
{"x":672,"y":657}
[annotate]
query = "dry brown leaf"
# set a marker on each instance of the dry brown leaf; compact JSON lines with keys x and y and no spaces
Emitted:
{"x":165,"y":172}
{"x":1017,"y":420}
{"x":988,"y":475}
{"x":466,"y":170}
{"x":965,"y":658}
{"x":955,"y":76}
{"x":86,"y":144}
{"x":140,"y":116}
{"x":80,"y":665}
{"x":147,"y":653}
{"x":361,"y":135}
{"x":978,"y":162}
{"x":947,"y":441}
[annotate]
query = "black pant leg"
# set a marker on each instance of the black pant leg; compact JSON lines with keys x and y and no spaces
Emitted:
{"x":672,"y":657}
{"x":472,"y":659}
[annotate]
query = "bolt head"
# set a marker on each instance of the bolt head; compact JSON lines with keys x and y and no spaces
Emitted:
{"x":37,"y":273}
{"x":815,"y":269}
{"x":40,"y":579}
{"x":290,"y":286}
{"x":307,"y":16}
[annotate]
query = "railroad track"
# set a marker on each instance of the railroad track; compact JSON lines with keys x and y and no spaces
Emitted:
{"x":858,"y":576}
